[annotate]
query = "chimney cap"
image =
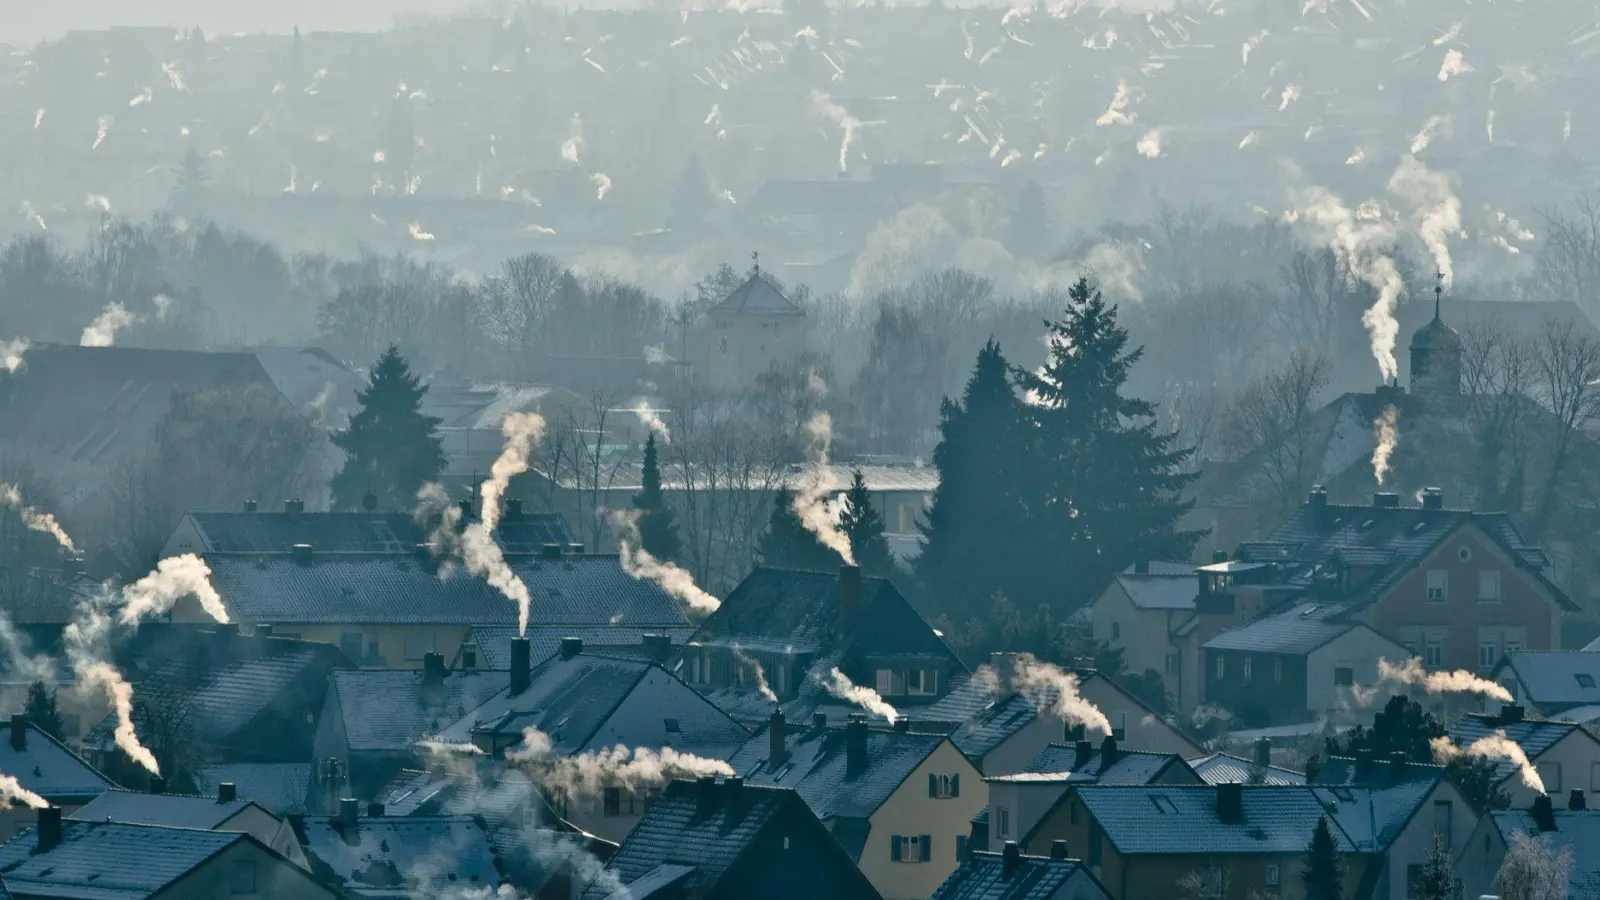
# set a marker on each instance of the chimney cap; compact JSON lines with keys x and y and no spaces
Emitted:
{"x":1058,"y":850}
{"x":227,"y":792}
{"x":1010,"y":860}
{"x":1544,"y":813}
{"x":571,"y":646}
{"x":1577,"y":799}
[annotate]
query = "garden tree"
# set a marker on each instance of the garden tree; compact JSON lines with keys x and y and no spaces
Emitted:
{"x":1270,"y":419}
{"x":42,"y":711}
{"x":1437,"y":880}
{"x":391,"y":448}
{"x":787,"y":544}
{"x":1324,"y":871}
{"x":1404,"y":727}
{"x":861,"y":523}
{"x":1534,"y":868}
{"x":975,"y":528}
{"x":896,"y":391}
{"x":658,"y":528}
{"x":1101,"y":483}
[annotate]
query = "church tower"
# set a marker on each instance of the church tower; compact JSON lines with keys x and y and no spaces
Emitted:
{"x":755,"y":327}
{"x":1436,"y":355}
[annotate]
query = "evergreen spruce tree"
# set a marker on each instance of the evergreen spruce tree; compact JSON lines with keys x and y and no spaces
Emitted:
{"x":864,"y":527}
{"x":658,"y":525}
{"x":42,"y":711}
{"x":1103,"y":481}
{"x":192,"y":179}
{"x":1324,"y":873}
{"x":1437,"y":880}
{"x":974,"y":528}
{"x":391,"y":448}
{"x":786,"y":544}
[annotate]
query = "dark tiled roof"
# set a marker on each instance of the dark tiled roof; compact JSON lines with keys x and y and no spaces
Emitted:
{"x":392,"y":588}
{"x":816,"y":768}
{"x":108,"y":860}
{"x":1182,"y":819}
{"x":356,"y":532}
{"x":982,"y":876}
{"x":401,"y":858}
{"x":413,"y":792}
{"x":1160,"y":591}
{"x":1534,"y":736}
{"x":1224,"y":768}
{"x":48,"y":768}
{"x":990,"y":728}
{"x":385,"y":709}
{"x":494,"y":641}
{"x":1129,"y":766}
{"x":1553,"y":679}
{"x":1296,"y":631}
{"x":169,"y":810}
{"x":282,"y":788}
{"x":758,"y":296}
{"x":1373,"y":802}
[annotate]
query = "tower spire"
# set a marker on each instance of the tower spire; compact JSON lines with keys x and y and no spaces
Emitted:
{"x":1438,"y":293}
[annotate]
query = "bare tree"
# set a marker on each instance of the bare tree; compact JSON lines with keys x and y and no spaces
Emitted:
{"x":1568,"y":264}
{"x":583,"y":460}
{"x":1534,"y":869}
{"x":1270,"y":421}
{"x":1210,"y":883}
{"x":1567,"y":370}
{"x":1320,"y":293}
{"x":1498,"y":371}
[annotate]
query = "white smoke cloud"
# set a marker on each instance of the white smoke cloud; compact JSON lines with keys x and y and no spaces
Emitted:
{"x":87,"y":640}
{"x":1460,"y":681}
{"x":1453,"y":65}
{"x":173,"y":578}
{"x":839,"y":685}
{"x":1116,"y":112}
{"x":1360,"y":244}
{"x":522,"y":431}
{"x":1494,"y":746}
{"x":602,"y":184}
{"x":573,"y":145}
{"x":38,"y":118}
{"x":143,"y":97}
{"x":1252,"y":43}
{"x":1291,"y":93}
{"x":417,"y":233}
{"x":12,"y":792}
{"x":822,"y":105}
{"x":1435,"y":209}
{"x":816,"y":485}
{"x":102,"y":128}
{"x":1249,"y":140}
{"x":102,"y":332}
{"x":751,"y":665}
{"x":656,"y":355}
{"x":34,"y":519}
{"x":1386,"y":431}
{"x":589,"y":773}
{"x":1435,"y":126}
{"x":651,"y":418}
{"x":1049,"y":686}
{"x":639,"y":563}
{"x":1150,"y":145}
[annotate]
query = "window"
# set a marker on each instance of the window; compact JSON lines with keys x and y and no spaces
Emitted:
{"x":1116,"y":631}
{"x":1438,"y":586}
{"x":1464,"y":554}
{"x":1488,"y":649}
{"x":1434,"y":658}
{"x":1119,"y":733}
{"x":1585,"y":680}
{"x":242,"y":877}
{"x":944,"y":787}
{"x":1344,"y":676}
{"x":1550,"y":774}
{"x":1247,"y":669}
{"x":911,"y":848}
{"x":922,"y":682}
{"x":1274,"y":875}
{"x":1488,"y":586}
{"x":1172,"y":663}
{"x":885,"y":683}
{"x":419,"y":645}
{"x":1222,"y":667}
{"x":672,"y":726}
{"x":1002,"y":822}
{"x":612,"y":802}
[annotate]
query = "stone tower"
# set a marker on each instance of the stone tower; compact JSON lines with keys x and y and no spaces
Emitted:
{"x":1436,"y":355}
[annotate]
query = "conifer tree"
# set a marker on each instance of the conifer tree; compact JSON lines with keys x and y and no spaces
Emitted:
{"x":1437,"y":880}
{"x":391,"y":448}
{"x":1324,"y":872}
{"x":863,"y":525}
{"x":786,"y":544}
{"x":658,"y":524}
{"x":42,"y":711}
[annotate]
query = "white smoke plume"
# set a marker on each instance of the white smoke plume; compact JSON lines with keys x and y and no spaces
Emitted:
{"x":839,"y":685}
{"x":651,"y":418}
{"x":1359,"y":244}
{"x":38,"y":118}
{"x":751,"y":665}
{"x":1205,"y":714}
{"x":174,"y":577}
{"x":475,"y":544}
{"x":1460,"y":681}
{"x":1436,"y":211}
{"x":87,"y":640}
{"x":1249,"y":140}
{"x":102,"y":128}
{"x":417,"y":234}
{"x":1356,"y":158}
{"x":1386,"y":431}
{"x":656,"y":355}
{"x":1430,"y":129}
{"x":1494,"y":746}
{"x":1453,"y":65}
{"x":1038,"y":680}
{"x":823,"y":106}
{"x":143,"y":97}
{"x":35,"y":519}
{"x":1249,"y":45}
{"x":1566,"y":126}
{"x":1150,"y":145}
{"x":589,"y":773}
{"x":1115,"y":113}
{"x":573,"y":145}
{"x":98,"y":201}
{"x":102,"y":332}
{"x":602,"y":184}
{"x":811,"y":498}
{"x":638,"y":562}
{"x":522,"y":431}
{"x":15,"y":645}
{"x":12,"y":792}
{"x":1291,"y":93}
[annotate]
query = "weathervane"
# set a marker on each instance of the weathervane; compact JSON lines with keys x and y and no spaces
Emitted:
{"x":755,"y":262}
{"x":1438,"y":293}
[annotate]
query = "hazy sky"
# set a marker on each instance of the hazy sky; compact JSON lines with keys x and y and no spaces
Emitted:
{"x":26,"y":21}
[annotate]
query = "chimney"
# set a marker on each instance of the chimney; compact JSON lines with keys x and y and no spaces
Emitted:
{"x":1058,"y":850}
{"x":262,"y":631}
{"x":513,"y":510}
{"x":1577,"y":800}
{"x":349,"y":813}
{"x":1108,"y":753}
{"x":1510,"y":713}
{"x":705,"y":804}
{"x":549,"y":551}
{"x":1005,"y":670}
{"x":902,"y":725}
{"x":849,"y":598}
{"x":1230,"y":802}
{"x":855,"y":746}
{"x":1313,"y":767}
{"x":469,"y":658}
{"x":1263,"y":753}
{"x":302,"y":554}
{"x":1219,"y":556}
{"x":1385,"y":500}
{"x":158,"y":785}
{"x":466,"y":510}
{"x":374,"y":810}
{"x":227,"y":792}
{"x":521,"y":665}
{"x":733,"y":797}
{"x":1010,"y":860}
{"x":571,"y":646}
{"x":1075,"y":731}
{"x":294,"y":508}
{"x":19,"y":732}
{"x":1397,"y":766}
{"x":1544,"y":813}
{"x":819,"y":721}
{"x":778,"y":737}
{"x":1363,"y":763}
{"x":49,"y":829}
{"x":1082,"y":752}
{"x":658,"y":647}
{"x":1141,"y":567}
{"x":575,"y":548}
{"x":1432,"y":498}
{"x":433,"y":671}
{"x":250,"y":506}
{"x":1318,"y":501}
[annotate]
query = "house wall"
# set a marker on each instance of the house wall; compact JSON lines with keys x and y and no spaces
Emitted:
{"x":1573,"y":762}
{"x":1358,"y":650}
{"x":1412,"y":845}
{"x":745,"y":345}
{"x":270,"y":830}
{"x":1273,"y":691}
{"x":1015,"y":752}
{"x":793,"y":858}
{"x":275,"y":878}
{"x":1524,"y":603}
{"x":184,"y":539}
{"x":910,"y":811}
{"x":1143,"y":634}
{"x":1142,"y":730}
{"x":391,"y":640}
{"x":1479,"y":859}
{"x":1024,"y":803}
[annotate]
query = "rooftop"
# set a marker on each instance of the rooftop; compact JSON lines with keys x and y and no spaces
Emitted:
{"x":1183,"y":819}
{"x":1534,"y":736}
{"x":356,"y":532}
{"x":984,"y":876}
{"x":1160,"y":591}
{"x":46,"y":767}
{"x":399,"y":858}
{"x":108,"y":860}
{"x":1577,"y":829}
{"x":1555,"y":681}
{"x":1224,"y":768}
{"x":169,"y":810}
{"x":284,"y":789}
{"x":493,"y":642}
{"x":1127,"y":766}
{"x":1296,"y":631}
{"x":758,"y":296}
{"x":387,"y":709}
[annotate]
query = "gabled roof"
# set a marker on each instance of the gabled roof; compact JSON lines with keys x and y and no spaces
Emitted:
{"x":282,"y":788}
{"x":757,"y":296}
{"x":1183,"y":820}
{"x":356,"y":532}
{"x":170,"y":810}
{"x":1534,"y":736}
{"x":388,"y":709}
{"x":401,"y":858}
{"x":109,"y":860}
{"x":397,"y":589}
{"x":494,"y":641}
{"x":983,"y":876}
{"x":46,"y":767}
{"x":1296,"y":631}
{"x":1575,"y":829}
{"x":1128,"y":766}
{"x":1160,"y":591}
{"x":1373,"y":801}
{"x":1223,"y":768}
{"x":1555,"y":681}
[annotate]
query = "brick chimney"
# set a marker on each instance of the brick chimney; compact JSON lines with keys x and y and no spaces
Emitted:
{"x":521,"y":665}
{"x":658,"y":647}
{"x":1543,"y":813}
{"x":294,"y":508}
{"x":227,"y":792}
{"x":19,"y":732}
{"x":349,"y":814}
{"x":1108,"y":753}
{"x":1058,"y":850}
{"x":849,"y":598}
{"x":158,"y":785}
{"x":1230,"y":802}
{"x":855,"y":746}
{"x":571,"y":646}
{"x":302,"y":554}
{"x":1577,"y":800}
{"x":1082,"y":752}
{"x":1432,"y":498}
{"x":1010,"y":859}
{"x":1263,"y":753}
{"x":778,"y":737}
{"x":49,"y":832}
{"x":705,"y":800}
{"x":1510,"y":713}
{"x":1385,"y":500}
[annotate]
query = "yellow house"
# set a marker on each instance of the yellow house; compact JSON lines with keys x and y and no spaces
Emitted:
{"x":900,"y":802}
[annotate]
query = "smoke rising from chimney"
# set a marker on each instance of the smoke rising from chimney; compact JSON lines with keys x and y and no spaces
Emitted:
{"x":810,"y":501}
{"x":87,"y":640}
{"x":1494,"y":746}
{"x":1386,"y":431}
{"x":174,"y":577}
{"x":1038,"y":680}
{"x":638,"y":562}
{"x":102,"y":332}
{"x":11,"y":354}
{"x":12,"y":792}
{"x":1357,"y":242}
{"x":1435,"y":209}
{"x":752,"y":666}
{"x":35,"y":520}
{"x":839,"y":685}
{"x":1460,"y":681}
{"x":589,"y":773}
{"x":652,"y":419}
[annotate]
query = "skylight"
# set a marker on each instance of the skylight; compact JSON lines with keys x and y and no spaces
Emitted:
{"x":1585,"y":680}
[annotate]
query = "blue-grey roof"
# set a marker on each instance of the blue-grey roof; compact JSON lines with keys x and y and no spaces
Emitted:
{"x":656,"y":882}
{"x":387,"y":709}
{"x":757,"y":296}
{"x":356,"y":532}
{"x":983,"y":718}
{"x":1373,"y":801}
{"x":1223,"y":768}
{"x":413,"y":792}
{"x":494,"y":641}
{"x":982,"y":876}
{"x":991,"y":727}
{"x":1576,"y":829}
{"x":282,"y":788}
{"x":1182,"y":819}
{"x":170,"y":810}
{"x":397,"y":589}
{"x":1128,"y":767}
{"x":49,"y":769}
{"x":1555,"y":681}
{"x":108,"y":860}
{"x":1293,"y":632}
{"x":1534,"y":736}
{"x":1160,"y":591}
{"x":401,"y":858}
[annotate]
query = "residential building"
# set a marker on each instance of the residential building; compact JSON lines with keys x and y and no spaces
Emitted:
{"x":1574,"y":828}
{"x":588,"y":703}
{"x":898,"y":801}
{"x":1558,"y":685}
{"x":43,"y":765}
{"x":753,"y":328}
{"x":283,"y":789}
{"x":1565,"y":754}
{"x":1237,"y":839}
{"x":728,"y":840}
{"x":223,"y":812}
{"x":390,"y":610}
{"x":277,"y":532}
{"x":1139,"y":613}
{"x":40,"y":603}
{"x":59,"y":860}
{"x":1002,"y":729}
{"x":1225,"y":768}
{"x":378,"y":857}
{"x":1009,"y":875}
{"x":489,"y":646}
{"x":790,"y":627}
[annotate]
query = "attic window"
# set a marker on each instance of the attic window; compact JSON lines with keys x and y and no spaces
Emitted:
{"x":1164,"y":805}
{"x":672,"y":726}
{"x":1308,"y":610}
{"x":1585,"y":680}
{"x":1464,"y":554}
